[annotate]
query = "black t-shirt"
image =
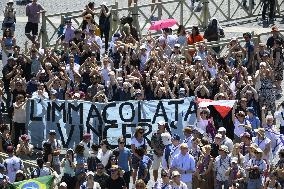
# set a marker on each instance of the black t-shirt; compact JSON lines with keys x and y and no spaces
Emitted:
{"x":6,"y":70}
{"x":102,"y":179}
{"x":270,"y":41}
{"x":117,"y":184}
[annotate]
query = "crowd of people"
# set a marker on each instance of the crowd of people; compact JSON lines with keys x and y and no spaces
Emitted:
{"x":244,"y":149}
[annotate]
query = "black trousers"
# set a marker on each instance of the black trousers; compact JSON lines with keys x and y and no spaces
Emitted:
{"x":105,"y":33}
{"x":268,"y":4}
{"x":19,"y":129}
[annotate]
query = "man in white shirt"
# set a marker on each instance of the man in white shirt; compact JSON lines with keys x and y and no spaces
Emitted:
{"x":221,"y":165}
{"x":184,"y":163}
{"x":225,"y":140}
{"x":188,"y":137}
{"x":86,"y":140}
{"x":279,"y":115}
{"x":72,"y":68}
{"x":263,"y":142}
{"x":12,"y":164}
{"x":256,"y":168}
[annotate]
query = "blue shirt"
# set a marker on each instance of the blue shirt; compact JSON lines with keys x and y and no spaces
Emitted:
{"x":123,"y":157}
{"x":186,"y":163}
{"x":254,"y":121}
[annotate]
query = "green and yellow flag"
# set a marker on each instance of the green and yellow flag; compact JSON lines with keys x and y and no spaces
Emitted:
{"x":37,"y":183}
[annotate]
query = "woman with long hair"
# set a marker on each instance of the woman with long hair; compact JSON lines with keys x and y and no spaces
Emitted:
{"x":137,"y":141}
{"x":104,"y":152}
{"x":182,"y":35}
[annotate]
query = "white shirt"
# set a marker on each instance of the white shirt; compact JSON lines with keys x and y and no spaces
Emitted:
{"x":13,"y":164}
{"x":221,"y":166}
{"x":43,"y":96}
{"x":19,"y":114}
{"x":280,"y":116}
{"x":262,"y":144}
{"x":104,"y":157}
{"x":201,"y":125}
{"x":188,"y":141}
{"x":97,"y":39}
{"x":260,"y":163}
{"x":143,"y":60}
{"x":137,"y":143}
{"x":105,"y":74}
{"x":42,"y":172}
{"x":239,"y":129}
{"x":229,"y":143}
{"x":86,"y":149}
{"x":186,"y":163}
{"x":182,"y":185}
{"x":70,"y":72}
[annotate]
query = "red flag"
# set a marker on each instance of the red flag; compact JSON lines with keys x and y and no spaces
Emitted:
{"x":222,"y":106}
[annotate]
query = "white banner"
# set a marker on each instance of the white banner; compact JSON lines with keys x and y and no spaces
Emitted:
{"x":111,"y":120}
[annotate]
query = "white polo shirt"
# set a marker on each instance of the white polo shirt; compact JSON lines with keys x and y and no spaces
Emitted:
{"x":280,"y":116}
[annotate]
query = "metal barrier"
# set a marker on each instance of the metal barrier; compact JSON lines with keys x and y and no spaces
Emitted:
{"x":224,"y":10}
{"x":223,"y":43}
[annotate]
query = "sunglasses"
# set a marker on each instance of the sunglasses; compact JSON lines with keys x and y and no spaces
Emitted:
{"x":165,"y":175}
{"x":122,"y":143}
{"x":113,"y":170}
{"x":141,"y":132}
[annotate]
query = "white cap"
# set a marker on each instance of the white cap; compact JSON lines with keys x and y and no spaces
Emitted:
{"x":166,"y":138}
{"x":161,"y":123}
{"x":90,"y":173}
{"x":197,"y":58}
{"x":63,"y":184}
{"x":222,"y":129}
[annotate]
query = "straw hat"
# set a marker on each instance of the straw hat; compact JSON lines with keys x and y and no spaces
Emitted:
{"x":224,"y":148}
{"x":260,"y":131}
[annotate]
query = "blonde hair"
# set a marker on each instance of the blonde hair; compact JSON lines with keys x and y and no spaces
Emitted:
{"x":140,"y":182}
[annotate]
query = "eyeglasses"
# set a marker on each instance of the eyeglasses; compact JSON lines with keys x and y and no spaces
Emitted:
{"x":100,"y":168}
{"x":113,"y":159}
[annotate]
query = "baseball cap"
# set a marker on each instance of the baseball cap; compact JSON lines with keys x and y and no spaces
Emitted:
{"x":175,"y":137}
{"x":222,"y":129}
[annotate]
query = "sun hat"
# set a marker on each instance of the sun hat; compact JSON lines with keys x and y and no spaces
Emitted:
{"x":224,"y":148}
